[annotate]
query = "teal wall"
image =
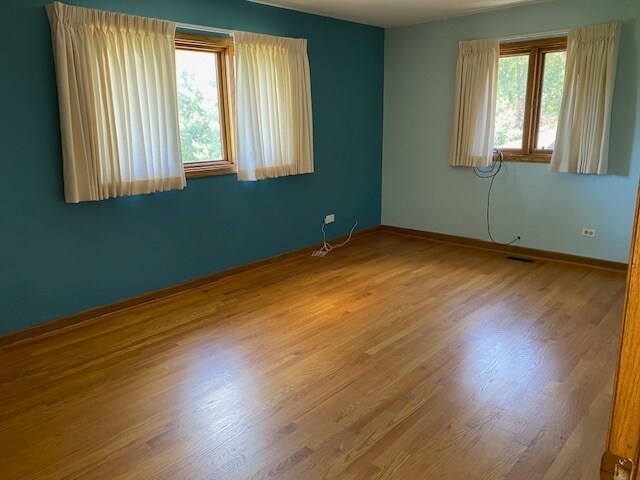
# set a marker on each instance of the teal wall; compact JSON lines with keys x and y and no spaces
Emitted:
{"x":57,"y":259}
{"x":548,"y":210}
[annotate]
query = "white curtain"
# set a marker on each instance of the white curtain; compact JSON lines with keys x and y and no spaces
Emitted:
{"x":475,"y":104}
{"x":273,"y":92}
{"x":118,"y":103}
{"x":582,"y":141}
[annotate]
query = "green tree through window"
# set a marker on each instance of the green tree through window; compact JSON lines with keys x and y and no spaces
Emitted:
{"x":198,"y":106}
{"x":551,"y":98}
{"x":510,"y":106}
{"x":529,"y":98}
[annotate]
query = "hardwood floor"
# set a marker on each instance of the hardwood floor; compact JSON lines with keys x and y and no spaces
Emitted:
{"x":393,"y":357}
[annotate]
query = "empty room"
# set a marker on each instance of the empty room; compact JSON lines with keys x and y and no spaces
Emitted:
{"x":308,"y":239}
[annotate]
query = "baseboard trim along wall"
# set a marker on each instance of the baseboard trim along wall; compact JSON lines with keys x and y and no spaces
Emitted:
{"x":99,"y":312}
{"x":508,"y":249}
{"x":102,"y":311}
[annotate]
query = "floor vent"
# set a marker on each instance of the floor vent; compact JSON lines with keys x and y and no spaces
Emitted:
{"x":521,"y":259}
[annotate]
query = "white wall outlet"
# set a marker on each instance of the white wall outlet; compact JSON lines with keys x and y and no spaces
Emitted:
{"x":589,"y":232}
{"x":329,"y":218}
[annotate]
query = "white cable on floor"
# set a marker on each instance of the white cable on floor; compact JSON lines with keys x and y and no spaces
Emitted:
{"x":327,"y":247}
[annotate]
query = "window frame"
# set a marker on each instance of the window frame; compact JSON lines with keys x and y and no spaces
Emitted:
{"x":536,"y":49}
{"x":223,"y":48}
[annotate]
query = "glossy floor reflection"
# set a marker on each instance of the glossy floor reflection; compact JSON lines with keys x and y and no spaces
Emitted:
{"x":390,"y":358}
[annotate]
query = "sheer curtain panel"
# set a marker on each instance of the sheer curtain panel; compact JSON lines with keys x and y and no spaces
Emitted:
{"x":475,"y":104}
{"x":117,"y":100}
{"x":273,"y":97}
{"x":582,"y":141}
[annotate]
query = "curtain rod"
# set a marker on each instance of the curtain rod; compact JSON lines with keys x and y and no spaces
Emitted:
{"x":202,"y":28}
{"x":515,"y":38}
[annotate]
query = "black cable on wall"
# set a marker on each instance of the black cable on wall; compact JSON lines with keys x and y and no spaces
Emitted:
{"x":491,"y":174}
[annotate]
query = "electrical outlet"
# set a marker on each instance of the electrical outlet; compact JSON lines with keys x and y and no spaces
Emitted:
{"x":589,"y":232}
{"x":329,"y":218}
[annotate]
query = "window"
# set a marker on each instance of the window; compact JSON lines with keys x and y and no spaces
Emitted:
{"x":530,"y":85}
{"x":204,"y":79}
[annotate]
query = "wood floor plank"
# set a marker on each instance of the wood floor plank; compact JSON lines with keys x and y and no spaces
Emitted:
{"x":391,"y":358}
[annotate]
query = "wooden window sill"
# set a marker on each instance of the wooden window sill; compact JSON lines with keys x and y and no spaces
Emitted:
{"x":209,"y":169}
{"x":527,"y":158}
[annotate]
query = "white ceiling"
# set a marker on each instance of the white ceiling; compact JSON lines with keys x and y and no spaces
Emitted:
{"x":393,"y":13}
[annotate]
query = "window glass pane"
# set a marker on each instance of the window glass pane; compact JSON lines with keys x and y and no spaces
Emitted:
{"x":512,"y":95}
{"x":199,"y":106}
{"x":551,"y":98}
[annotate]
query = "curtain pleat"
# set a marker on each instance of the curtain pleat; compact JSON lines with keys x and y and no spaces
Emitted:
{"x":475,"y":104}
{"x":118,"y":103}
{"x":273,"y":92}
{"x":582,"y":139}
